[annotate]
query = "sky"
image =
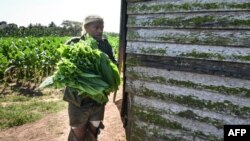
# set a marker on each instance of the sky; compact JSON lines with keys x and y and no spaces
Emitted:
{"x":24,"y":12}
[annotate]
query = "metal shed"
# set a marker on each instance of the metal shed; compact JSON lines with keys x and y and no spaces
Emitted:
{"x":186,"y":68}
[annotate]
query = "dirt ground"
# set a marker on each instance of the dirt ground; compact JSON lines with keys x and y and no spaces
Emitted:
{"x":54,"y":127}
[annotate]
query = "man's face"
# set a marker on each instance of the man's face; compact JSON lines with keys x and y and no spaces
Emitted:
{"x":95,"y":29}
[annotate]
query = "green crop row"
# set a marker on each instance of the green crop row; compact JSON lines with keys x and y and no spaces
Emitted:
{"x":30,"y":59}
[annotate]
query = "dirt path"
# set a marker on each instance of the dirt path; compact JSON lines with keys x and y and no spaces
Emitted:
{"x":54,"y":127}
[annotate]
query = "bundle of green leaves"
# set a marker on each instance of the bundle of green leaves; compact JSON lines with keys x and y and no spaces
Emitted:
{"x":88,"y":70}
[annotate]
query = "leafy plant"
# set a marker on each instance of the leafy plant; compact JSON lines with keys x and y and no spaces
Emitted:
{"x":84,"y":67}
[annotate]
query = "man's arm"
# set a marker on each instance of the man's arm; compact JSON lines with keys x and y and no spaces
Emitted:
{"x":110,"y":52}
{"x":73,"y":40}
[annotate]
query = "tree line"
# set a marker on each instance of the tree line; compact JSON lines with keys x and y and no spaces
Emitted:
{"x":67,"y":28}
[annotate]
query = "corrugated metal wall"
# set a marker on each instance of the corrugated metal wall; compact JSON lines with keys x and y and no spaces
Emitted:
{"x":187,"y":68}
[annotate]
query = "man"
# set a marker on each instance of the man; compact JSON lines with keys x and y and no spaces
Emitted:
{"x":85,"y":114}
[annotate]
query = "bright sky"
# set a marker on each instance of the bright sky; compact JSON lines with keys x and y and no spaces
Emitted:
{"x":24,"y":12}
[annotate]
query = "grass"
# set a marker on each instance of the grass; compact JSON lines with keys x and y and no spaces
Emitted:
{"x":16,"y":110}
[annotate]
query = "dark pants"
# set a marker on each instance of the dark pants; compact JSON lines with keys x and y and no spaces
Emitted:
{"x":80,"y":117}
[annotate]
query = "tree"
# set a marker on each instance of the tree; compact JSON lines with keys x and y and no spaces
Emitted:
{"x":3,"y":24}
{"x":73,"y":27}
{"x":52,"y":24}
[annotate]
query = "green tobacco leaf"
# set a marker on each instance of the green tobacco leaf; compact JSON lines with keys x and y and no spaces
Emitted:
{"x":88,"y":70}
